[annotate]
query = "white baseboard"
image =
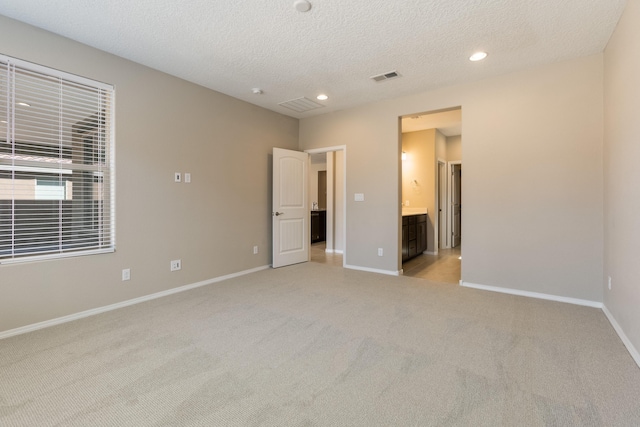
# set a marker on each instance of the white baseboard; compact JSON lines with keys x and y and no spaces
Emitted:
{"x":373,"y":270}
{"x":333,"y":251}
{"x":627,"y":343}
{"x":538,"y":295}
{"x":94,"y":311}
{"x":430,"y":252}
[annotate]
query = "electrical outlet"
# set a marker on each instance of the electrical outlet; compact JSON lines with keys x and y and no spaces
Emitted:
{"x":177,"y":177}
{"x":380,"y":252}
{"x":187,"y":177}
{"x":176,"y":265}
{"x":126,"y":274}
{"x":255,"y":250}
{"x":609,"y":284}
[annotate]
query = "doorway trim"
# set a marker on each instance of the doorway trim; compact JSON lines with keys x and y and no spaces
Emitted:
{"x":342,"y":148}
{"x":450,"y":198}
{"x":442,"y":209}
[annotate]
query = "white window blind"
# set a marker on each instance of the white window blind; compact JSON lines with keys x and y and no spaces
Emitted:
{"x":56,"y":163}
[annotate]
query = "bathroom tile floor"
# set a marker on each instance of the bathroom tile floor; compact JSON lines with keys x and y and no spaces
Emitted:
{"x":319,"y":255}
{"x":444,"y":267}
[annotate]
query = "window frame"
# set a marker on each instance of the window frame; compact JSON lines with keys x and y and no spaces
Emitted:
{"x":105,"y":234}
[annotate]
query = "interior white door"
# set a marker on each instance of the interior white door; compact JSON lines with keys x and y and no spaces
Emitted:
{"x":290,"y":215}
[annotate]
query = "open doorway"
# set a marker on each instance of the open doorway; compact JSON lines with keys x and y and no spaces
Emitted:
{"x":431,"y":150}
{"x":327,"y":190}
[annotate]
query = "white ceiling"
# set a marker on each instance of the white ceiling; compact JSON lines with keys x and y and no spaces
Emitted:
{"x":233,"y":46}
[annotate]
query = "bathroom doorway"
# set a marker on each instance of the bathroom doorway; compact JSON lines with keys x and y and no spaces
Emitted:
{"x":431,"y":150}
{"x":328,"y":204}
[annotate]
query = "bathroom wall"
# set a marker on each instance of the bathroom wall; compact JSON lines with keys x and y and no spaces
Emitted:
{"x":454,"y":148}
{"x":318,"y":163}
{"x":418,"y":177}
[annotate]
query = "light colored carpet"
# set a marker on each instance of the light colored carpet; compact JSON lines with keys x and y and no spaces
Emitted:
{"x":317,"y":345}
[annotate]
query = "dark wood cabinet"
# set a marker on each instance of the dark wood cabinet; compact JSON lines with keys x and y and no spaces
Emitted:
{"x":318,"y":226}
{"x":405,"y":239}
{"x":421,"y":238}
{"x":414,"y":235}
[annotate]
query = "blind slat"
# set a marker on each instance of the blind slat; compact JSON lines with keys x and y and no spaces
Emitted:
{"x":56,"y":163}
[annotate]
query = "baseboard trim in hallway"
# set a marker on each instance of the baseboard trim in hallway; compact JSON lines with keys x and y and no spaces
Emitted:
{"x":94,"y":311}
{"x":635,"y":355}
{"x":374,"y":270}
{"x":625,"y":340}
{"x":576,"y":301}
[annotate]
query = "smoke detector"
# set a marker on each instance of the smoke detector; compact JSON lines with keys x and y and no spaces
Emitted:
{"x":302,"y":5}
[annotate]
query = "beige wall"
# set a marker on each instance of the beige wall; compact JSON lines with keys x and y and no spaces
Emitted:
{"x":163,"y":125}
{"x":418,"y":175}
{"x":315,"y":167}
{"x":532,"y":193}
{"x":441,"y":146}
{"x":454,"y":148}
{"x":622,"y":174}
{"x":338,"y":219}
{"x":417,"y":169}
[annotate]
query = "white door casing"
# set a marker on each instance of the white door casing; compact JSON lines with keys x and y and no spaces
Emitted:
{"x":443,"y":241}
{"x":290,"y":214}
{"x":456,"y":204}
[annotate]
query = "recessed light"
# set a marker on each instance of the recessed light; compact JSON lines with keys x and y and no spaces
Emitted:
{"x":322,"y":97}
{"x":302,"y":5}
{"x":24,"y":104}
{"x":478,"y":56}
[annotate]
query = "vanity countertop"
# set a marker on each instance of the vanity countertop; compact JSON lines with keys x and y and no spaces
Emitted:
{"x":413,"y":211}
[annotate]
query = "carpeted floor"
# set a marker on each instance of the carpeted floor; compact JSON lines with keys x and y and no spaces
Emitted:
{"x":318,"y":345}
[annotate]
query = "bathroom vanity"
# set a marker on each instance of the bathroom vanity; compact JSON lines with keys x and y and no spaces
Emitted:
{"x":318,"y":226}
{"x":414,"y":235}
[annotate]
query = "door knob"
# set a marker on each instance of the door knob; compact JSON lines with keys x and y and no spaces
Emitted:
{"x":278,"y":213}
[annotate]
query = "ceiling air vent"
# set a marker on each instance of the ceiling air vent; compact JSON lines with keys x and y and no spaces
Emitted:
{"x":300,"y":105}
{"x":385,"y":76}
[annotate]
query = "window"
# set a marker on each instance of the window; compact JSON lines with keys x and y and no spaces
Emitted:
{"x":56,"y":163}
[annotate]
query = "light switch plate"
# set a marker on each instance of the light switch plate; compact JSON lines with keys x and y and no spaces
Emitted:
{"x":187,"y":177}
{"x":358,"y":197}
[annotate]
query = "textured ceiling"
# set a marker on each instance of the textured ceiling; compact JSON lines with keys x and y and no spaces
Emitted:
{"x":233,"y":46}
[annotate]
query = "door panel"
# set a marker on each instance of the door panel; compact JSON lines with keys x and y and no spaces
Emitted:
{"x":290,"y":216}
